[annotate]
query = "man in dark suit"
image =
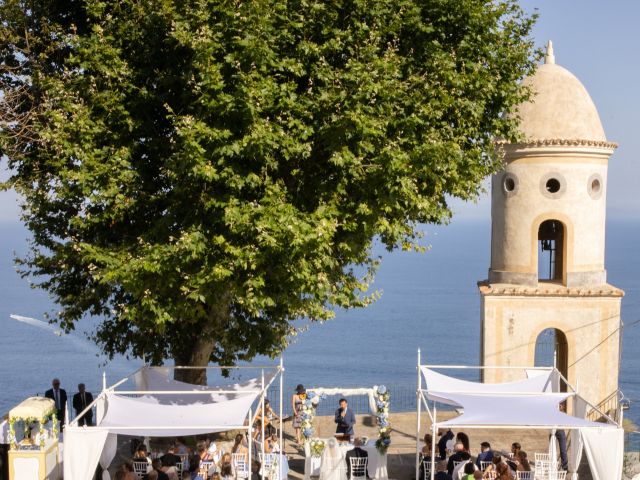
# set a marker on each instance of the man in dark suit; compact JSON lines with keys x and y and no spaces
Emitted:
{"x":345,"y":419}
{"x":442,"y":443}
{"x":82,"y":400}
{"x":59,"y":396}
{"x":356,"y":452}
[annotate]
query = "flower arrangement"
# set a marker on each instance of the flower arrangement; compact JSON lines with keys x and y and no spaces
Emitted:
{"x":317,"y":447}
{"x":309,"y":413}
{"x":382,"y":414}
{"x":12,"y":434}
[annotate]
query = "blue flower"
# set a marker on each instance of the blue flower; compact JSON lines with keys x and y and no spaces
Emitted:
{"x":386,"y":441}
{"x":308,"y":403}
{"x":307,"y":432}
{"x":323,"y":396}
{"x":382,"y":389}
{"x":380,"y":404}
{"x":310,"y":395}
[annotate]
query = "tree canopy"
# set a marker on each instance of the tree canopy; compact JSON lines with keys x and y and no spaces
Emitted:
{"x":199,"y":174}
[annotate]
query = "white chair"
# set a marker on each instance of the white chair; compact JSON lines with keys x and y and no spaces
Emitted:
{"x":559,"y":475}
{"x":179,"y":466}
{"x":524,"y":475}
{"x":358,"y":468}
{"x":484,"y":465}
{"x":426,"y":469}
{"x":140,"y":468}
{"x":270,"y":465}
{"x":543,"y":457}
{"x":240,"y":465}
{"x":204,"y":468}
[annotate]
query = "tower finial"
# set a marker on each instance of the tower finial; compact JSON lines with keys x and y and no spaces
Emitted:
{"x":549,"y":57}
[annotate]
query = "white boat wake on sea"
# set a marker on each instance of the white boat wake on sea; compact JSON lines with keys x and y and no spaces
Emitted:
{"x":82,"y":344}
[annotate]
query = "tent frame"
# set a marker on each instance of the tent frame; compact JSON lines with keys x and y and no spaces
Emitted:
{"x":251,"y":416}
{"x":433,"y":415}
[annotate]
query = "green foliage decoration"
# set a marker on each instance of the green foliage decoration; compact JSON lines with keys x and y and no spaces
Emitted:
{"x":200,"y":174}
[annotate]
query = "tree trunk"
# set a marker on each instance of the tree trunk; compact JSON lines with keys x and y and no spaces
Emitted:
{"x":200,"y":354}
{"x":199,"y":357}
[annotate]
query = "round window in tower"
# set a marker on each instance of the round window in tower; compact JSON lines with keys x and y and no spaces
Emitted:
{"x":552,"y":185}
{"x":595,"y":185}
{"x":509,"y":184}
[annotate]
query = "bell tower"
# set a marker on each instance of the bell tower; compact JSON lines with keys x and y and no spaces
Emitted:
{"x":547,"y":278}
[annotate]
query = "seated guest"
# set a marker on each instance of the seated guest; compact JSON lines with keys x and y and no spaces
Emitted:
{"x":511,"y":461}
{"x":239,"y":445}
{"x":129,"y":474}
{"x":203,"y":452}
{"x":255,"y":470}
{"x":271,"y":444}
{"x":463,"y":438}
{"x":213,"y":450}
{"x":459,"y":470}
{"x":515,"y":448}
{"x":194,"y":466}
{"x":441,"y":471}
{"x":425,"y":454}
{"x":170,"y":459}
{"x":355,"y":452}
{"x":443,"y":441}
{"x":224,"y":458}
{"x":160,"y":472}
{"x":460,"y":455}
{"x":522,"y":463}
{"x":141,"y":456}
{"x":226,"y":468}
{"x":485,"y":455}
{"x":181,"y":447}
{"x":504,"y":473}
{"x":469,"y":471}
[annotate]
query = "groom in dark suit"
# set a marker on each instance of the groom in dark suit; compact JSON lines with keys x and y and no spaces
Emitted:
{"x":82,"y":400}
{"x":59,"y":396}
{"x":356,"y":452}
{"x":345,"y":419}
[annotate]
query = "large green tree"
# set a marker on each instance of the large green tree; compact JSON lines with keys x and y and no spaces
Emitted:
{"x":199,"y":174}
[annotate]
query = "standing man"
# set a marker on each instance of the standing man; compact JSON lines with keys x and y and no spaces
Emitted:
{"x":345,"y":419}
{"x":82,"y":400}
{"x":59,"y":396}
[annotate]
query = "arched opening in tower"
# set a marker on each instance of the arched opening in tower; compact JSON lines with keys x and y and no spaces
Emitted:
{"x":552,"y":350}
{"x":550,"y":251}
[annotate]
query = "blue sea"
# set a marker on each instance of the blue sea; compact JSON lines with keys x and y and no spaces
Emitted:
{"x":429,"y":301}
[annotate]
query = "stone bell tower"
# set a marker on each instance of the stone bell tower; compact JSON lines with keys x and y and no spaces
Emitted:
{"x":547,"y":270}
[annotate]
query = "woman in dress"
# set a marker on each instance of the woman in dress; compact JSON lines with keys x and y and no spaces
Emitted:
{"x":332,"y":464}
{"x":239,"y":445}
{"x":522,"y":462}
{"x":296,"y":404}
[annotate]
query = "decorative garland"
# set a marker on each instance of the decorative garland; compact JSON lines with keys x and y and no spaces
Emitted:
{"x":309,"y":414}
{"x":382,"y":413}
{"x":28,"y":427}
{"x":12,"y":434}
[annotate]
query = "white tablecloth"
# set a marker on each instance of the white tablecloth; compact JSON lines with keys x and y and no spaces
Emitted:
{"x":376,"y":465}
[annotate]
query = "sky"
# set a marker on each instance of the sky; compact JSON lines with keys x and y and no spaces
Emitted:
{"x":597,"y":41}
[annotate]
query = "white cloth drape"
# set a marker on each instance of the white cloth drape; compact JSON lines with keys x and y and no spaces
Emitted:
{"x":575,"y":452}
{"x":108,"y":454}
{"x":370,"y":392}
{"x":443,"y":383}
{"x":332,"y":465}
{"x":87,"y":443}
{"x":605,"y":451}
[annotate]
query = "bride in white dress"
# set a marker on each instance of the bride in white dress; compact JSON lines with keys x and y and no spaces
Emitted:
{"x":332,"y":464}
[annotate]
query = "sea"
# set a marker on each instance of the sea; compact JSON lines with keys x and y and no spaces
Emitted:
{"x":428,"y":301}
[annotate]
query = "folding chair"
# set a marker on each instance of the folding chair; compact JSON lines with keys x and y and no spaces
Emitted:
{"x":240,"y":465}
{"x":358,"y":468}
{"x":140,"y":468}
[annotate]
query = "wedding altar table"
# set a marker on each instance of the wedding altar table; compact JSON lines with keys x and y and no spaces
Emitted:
{"x":376,"y":465}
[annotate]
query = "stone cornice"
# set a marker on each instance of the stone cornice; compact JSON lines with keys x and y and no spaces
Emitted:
{"x":548,"y":290}
{"x":558,"y":142}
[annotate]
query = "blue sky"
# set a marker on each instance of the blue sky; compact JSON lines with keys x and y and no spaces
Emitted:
{"x":596,"y":40}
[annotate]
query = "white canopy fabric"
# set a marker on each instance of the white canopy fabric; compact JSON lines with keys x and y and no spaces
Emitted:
{"x":151,"y":418}
{"x":510,"y":410}
{"x":536,"y":383}
{"x":81,"y":453}
{"x":604,"y":448}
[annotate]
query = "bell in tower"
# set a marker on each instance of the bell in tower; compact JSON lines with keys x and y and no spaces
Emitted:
{"x":547,"y":276}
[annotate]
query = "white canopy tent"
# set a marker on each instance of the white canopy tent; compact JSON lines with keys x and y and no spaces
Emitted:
{"x":530,"y":403}
{"x":158,"y":406}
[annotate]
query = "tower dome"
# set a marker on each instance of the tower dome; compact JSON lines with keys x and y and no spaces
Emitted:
{"x":560,"y":107}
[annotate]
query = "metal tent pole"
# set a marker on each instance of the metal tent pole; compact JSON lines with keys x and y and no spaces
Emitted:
{"x":280,"y":439}
{"x":262,"y":415}
{"x":418,"y":409}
